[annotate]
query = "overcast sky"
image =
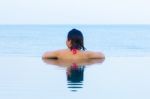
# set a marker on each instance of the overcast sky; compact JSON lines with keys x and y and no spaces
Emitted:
{"x":74,"y":11}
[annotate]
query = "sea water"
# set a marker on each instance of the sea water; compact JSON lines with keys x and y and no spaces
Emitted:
{"x":113,"y":40}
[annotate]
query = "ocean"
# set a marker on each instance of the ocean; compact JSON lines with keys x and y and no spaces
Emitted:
{"x":112,"y":40}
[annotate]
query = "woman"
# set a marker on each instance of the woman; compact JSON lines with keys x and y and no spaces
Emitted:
{"x":76,"y":49}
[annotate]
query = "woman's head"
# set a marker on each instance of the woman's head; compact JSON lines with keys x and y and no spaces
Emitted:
{"x":75,"y":40}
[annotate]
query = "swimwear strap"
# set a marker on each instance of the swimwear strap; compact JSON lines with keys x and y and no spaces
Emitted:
{"x":74,"y":51}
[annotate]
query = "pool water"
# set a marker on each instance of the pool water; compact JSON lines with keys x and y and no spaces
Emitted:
{"x":114,"y":77}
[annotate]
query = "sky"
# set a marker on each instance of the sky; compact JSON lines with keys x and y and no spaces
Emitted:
{"x":74,"y":11}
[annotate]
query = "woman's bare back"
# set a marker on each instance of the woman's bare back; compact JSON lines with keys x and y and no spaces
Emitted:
{"x":69,"y":54}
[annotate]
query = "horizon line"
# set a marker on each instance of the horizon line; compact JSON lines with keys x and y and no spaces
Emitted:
{"x":75,"y":24}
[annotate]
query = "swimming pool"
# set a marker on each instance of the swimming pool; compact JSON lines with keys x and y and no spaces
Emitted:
{"x":115,"y":78}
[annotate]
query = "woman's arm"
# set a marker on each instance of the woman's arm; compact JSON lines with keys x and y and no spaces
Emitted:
{"x":95,"y":55}
{"x":68,"y":63}
{"x":51,"y":55}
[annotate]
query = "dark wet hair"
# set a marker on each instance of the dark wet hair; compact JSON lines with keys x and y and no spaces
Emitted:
{"x":77,"y":40}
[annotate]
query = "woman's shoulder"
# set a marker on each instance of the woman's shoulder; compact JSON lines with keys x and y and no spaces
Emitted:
{"x":62,"y":53}
{"x":92,"y":54}
{"x":53,"y":54}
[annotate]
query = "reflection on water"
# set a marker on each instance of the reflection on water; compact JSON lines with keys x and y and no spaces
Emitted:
{"x":75,"y":77}
{"x":74,"y":70}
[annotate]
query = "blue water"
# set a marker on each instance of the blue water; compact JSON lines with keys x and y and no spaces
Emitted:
{"x":122,"y":75}
{"x":113,"y":40}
